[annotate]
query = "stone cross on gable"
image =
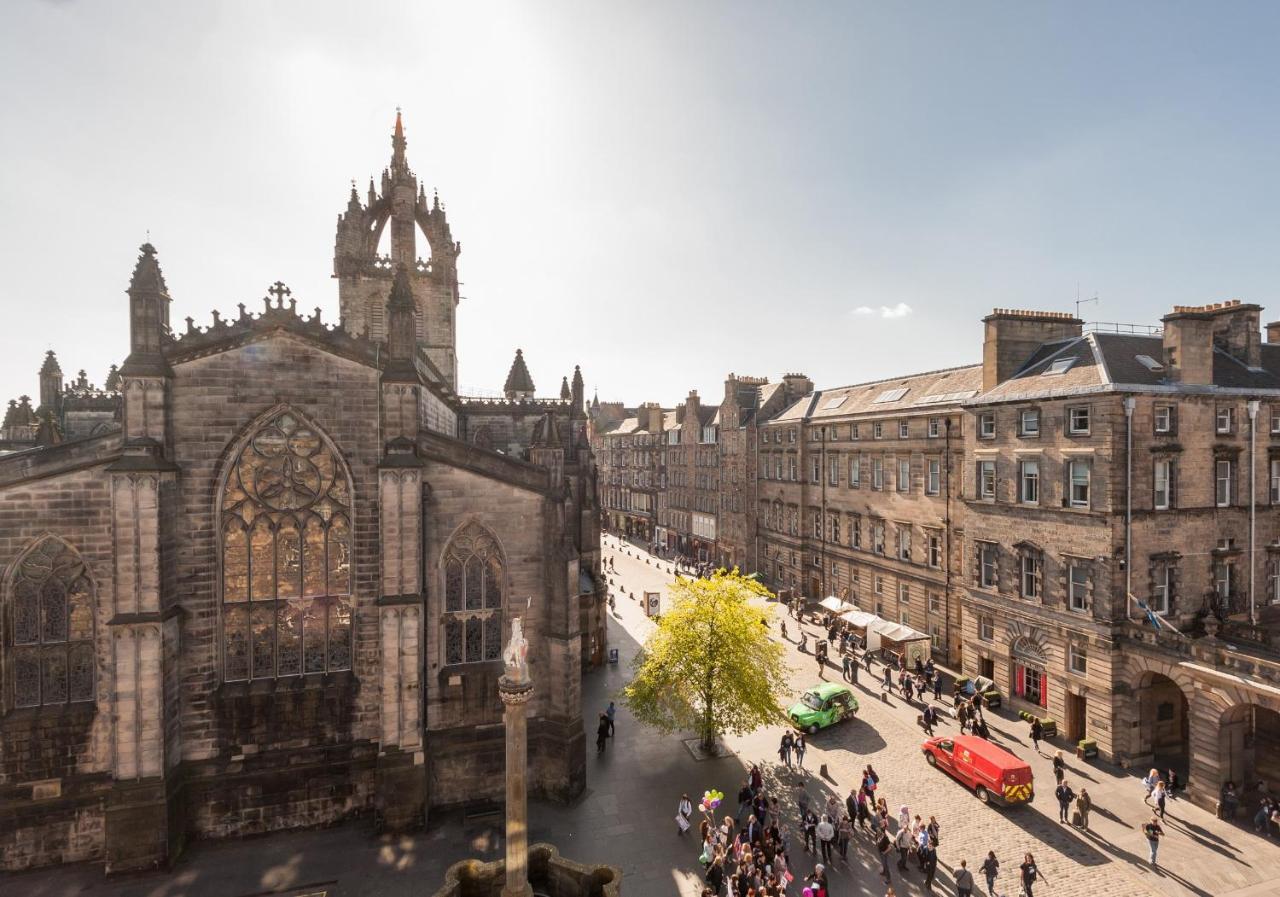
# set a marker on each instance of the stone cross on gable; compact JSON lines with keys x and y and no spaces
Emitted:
{"x":279,"y":290}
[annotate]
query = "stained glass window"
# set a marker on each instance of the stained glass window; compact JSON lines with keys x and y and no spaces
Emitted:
{"x":474,"y":580}
{"x":286,"y":555}
{"x":52,"y":636}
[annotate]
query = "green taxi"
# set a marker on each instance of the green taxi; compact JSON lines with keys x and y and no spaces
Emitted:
{"x":822,"y":706}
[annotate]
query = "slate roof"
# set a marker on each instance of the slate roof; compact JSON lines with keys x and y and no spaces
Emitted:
{"x":919,"y":392}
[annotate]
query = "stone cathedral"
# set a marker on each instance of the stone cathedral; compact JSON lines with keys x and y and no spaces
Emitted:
{"x":261,"y":578}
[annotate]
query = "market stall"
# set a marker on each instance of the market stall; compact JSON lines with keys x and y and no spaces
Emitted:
{"x":898,"y":641}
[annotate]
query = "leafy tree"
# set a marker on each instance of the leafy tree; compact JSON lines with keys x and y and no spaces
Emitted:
{"x":710,"y":665}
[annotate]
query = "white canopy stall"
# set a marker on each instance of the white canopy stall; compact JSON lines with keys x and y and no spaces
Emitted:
{"x":899,"y":639}
{"x":835,"y":605}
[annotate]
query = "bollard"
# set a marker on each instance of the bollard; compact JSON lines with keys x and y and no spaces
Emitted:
{"x":822,"y":771}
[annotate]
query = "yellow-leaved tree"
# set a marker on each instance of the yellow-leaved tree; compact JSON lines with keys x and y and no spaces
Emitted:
{"x":710,"y":666}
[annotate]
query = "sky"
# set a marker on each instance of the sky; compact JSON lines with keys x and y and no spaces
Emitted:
{"x":660,"y":192}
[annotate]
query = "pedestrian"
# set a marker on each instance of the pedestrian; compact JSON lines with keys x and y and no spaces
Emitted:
{"x":929,"y":863}
{"x":937,"y":686}
{"x":784,"y":748}
{"x":810,"y":831}
{"x":715,"y":876}
{"x":1059,"y":767}
{"x":888,"y":679}
{"x":1172,"y":787}
{"x":853,"y":671}
{"x":1150,"y":784}
{"x":1154,"y":833}
{"x":904,"y":844}
{"x":684,"y":811}
{"x":1159,"y":795}
{"x":1229,"y":801}
{"x":846,"y":663}
{"x":883,"y":847}
{"x":907,"y":689}
{"x":1084,"y":803}
{"x":964,"y":880}
{"x":602,"y":733}
{"x":745,"y":798}
{"x":821,"y":657}
{"x":962,"y":716}
{"x":904,"y":817}
{"x":866,"y":660}
{"x":610,"y":713}
{"x":826,"y":832}
{"x":1030,"y":874}
{"x":757,"y":779}
{"x":800,"y":747}
{"x":1065,"y":796}
{"x":844,"y":834}
{"x":818,"y":880}
{"x":990,"y":868}
{"x":1037,"y":732}
{"x":930,"y":717}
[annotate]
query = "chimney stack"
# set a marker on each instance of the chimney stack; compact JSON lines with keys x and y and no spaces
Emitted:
{"x":1193,"y":332}
{"x":1012,"y":334}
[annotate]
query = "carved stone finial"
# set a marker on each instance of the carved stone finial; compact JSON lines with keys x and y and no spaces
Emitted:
{"x":217,"y":319}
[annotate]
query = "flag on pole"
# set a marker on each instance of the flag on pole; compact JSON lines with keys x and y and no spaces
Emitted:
{"x":1157,"y":622}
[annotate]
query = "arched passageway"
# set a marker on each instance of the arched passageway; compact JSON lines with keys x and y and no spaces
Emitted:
{"x":1164,"y":724}
{"x":1249,"y":746}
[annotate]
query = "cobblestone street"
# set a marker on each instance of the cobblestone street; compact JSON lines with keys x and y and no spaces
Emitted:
{"x":626,"y":815}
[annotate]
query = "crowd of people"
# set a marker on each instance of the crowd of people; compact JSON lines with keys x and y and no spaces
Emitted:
{"x":748,"y":854}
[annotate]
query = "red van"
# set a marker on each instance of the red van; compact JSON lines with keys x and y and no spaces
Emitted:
{"x":993,"y":773}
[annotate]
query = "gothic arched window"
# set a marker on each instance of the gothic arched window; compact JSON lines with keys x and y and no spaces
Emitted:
{"x":50,"y":626}
{"x":474,"y":576}
{"x":286,"y":554}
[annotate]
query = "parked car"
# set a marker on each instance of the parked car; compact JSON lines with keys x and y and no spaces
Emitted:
{"x":980,"y":685}
{"x":993,"y":773}
{"x":823,"y":705}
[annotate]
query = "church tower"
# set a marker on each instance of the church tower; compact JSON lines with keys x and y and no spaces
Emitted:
{"x":365,"y":276}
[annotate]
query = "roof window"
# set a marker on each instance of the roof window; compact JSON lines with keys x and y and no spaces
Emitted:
{"x":890,"y":395}
{"x":832,"y":404}
{"x":1149,"y":363}
{"x":1061,"y":366}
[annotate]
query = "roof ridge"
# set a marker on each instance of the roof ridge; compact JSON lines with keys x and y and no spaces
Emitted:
{"x":962,"y":367}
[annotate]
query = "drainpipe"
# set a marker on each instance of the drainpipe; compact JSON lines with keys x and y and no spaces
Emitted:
{"x":1129,"y":403}
{"x":1253,"y":504}
{"x":946,"y":537}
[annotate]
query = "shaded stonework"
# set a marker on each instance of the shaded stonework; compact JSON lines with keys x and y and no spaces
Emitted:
{"x":549,"y":873}
{"x":265,"y":587}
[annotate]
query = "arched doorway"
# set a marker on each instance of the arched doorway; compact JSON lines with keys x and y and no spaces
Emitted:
{"x":1163,"y":724}
{"x":1249,"y":746}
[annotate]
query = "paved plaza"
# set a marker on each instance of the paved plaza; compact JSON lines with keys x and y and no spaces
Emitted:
{"x":626,"y":815}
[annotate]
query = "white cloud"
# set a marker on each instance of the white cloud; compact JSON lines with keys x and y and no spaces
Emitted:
{"x":901,"y":310}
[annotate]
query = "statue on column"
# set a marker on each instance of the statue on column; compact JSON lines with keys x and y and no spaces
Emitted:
{"x":516,"y":655}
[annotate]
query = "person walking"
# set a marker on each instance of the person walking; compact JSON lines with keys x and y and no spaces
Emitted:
{"x":611,"y":712}
{"x":1065,"y":796}
{"x":866,"y":660}
{"x":1037,"y":732}
{"x":784,"y":748}
{"x":1160,"y":795}
{"x":684,"y":812}
{"x":1059,"y":766}
{"x":810,"y":831}
{"x":1149,"y":783}
{"x":990,"y":868}
{"x":1084,"y":804}
{"x":844,"y":834}
{"x":1030,"y":874}
{"x":602,"y":733}
{"x":800,"y":747}
{"x":964,"y":880}
{"x":883,"y":847}
{"x":745,"y":799}
{"x":853,"y":670}
{"x":903,"y":842}
{"x":888,"y":680}
{"x":929,"y":863}
{"x":937,"y":686}
{"x":1153,"y":833}
{"x":826,"y":832}
{"x":845,"y":663}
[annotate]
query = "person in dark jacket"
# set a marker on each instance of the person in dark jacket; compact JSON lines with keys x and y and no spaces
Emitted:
{"x":1037,"y":732}
{"x":715,"y":876}
{"x":990,"y":868}
{"x":1065,"y":796}
{"x":602,"y":733}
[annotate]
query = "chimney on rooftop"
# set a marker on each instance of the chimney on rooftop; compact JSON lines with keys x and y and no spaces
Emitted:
{"x":1192,"y":332}
{"x":1273,"y":332}
{"x":1013,"y":334}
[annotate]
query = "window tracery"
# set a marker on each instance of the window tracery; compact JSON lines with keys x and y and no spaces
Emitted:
{"x":286,"y":555}
{"x":474,"y":576}
{"x":50,"y":644}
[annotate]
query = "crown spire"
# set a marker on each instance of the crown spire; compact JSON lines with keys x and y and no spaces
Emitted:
{"x":398,"y":144}
{"x":519,"y":384}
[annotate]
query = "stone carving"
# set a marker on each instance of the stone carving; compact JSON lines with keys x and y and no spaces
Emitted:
{"x":516,"y":655}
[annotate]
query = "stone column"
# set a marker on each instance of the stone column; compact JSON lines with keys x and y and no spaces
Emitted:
{"x":515,"y":694}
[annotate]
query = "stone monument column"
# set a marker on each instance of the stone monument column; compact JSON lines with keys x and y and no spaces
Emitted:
{"x":515,"y":689}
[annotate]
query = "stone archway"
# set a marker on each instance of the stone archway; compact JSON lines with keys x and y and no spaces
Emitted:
{"x":1164,"y":724}
{"x":1249,"y":746}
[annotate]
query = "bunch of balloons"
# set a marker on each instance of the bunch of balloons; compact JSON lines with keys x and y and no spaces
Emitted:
{"x":710,"y":800}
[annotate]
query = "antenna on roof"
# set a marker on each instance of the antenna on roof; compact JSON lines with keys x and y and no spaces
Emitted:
{"x":1080,"y":302}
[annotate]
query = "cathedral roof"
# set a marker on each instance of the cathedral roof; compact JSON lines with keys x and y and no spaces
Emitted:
{"x":518,"y":379}
{"x":146,"y":273}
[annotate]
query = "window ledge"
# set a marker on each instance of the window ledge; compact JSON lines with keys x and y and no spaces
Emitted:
{"x":340,"y":679}
{"x":71,"y":713}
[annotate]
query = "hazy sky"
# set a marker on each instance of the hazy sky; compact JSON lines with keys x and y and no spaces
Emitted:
{"x":660,"y":192}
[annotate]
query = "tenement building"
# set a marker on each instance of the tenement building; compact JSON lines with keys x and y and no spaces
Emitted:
{"x":1120,"y":515}
{"x":262,"y":578}
{"x":859,"y":493}
{"x":629,"y":449}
